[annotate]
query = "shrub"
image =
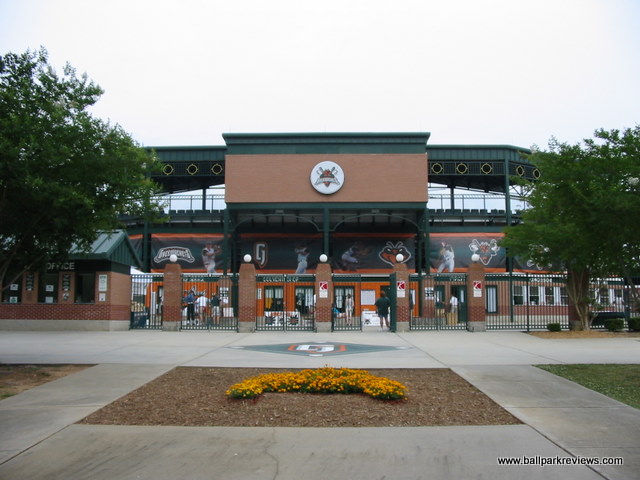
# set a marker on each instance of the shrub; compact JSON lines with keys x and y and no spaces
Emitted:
{"x":634,"y":324}
{"x":321,"y":380}
{"x":614,"y":324}
{"x":554,"y":327}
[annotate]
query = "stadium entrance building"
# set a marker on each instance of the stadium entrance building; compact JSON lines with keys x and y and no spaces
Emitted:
{"x":359,"y":198}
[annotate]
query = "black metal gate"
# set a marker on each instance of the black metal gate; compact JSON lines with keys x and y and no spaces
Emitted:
{"x":346,"y":308}
{"x":442,"y":302}
{"x":285,"y":302}
{"x":146,"y":301}
{"x":216,"y":302}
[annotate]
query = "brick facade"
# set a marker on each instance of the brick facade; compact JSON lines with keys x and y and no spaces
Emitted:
{"x":112,"y":303}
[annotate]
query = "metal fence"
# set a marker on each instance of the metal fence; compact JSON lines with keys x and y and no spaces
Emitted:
{"x":525,"y":301}
{"x":215,"y":307}
{"x":285,"y":302}
{"x":146,"y":301}
{"x":437,"y":302}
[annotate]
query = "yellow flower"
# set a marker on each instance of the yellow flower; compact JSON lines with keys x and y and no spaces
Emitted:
{"x":322,"y":380}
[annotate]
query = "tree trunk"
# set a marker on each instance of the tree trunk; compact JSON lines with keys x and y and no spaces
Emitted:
{"x":578,"y":291}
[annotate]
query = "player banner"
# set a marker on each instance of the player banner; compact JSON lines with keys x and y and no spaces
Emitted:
{"x":372,"y":253}
{"x":196,"y":252}
{"x":451,"y":252}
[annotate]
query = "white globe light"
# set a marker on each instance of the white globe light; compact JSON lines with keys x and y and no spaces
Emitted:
{"x":399,"y":258}
{"x":475,"y":258}
{"x":247,"y":258}
{"x":173,"y":258}
{"x":323,"y":258}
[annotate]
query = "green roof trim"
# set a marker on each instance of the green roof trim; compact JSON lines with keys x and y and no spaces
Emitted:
{"x":477,"y":152}
{"x":325,"y":143}
{"x":189,"y":154}
{"x":112,"y":246}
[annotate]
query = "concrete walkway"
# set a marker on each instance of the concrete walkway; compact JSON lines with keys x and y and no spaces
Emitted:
{"x":40,"y":440}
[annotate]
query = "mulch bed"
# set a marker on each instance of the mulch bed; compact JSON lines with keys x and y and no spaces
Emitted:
{"x":195,"y":396}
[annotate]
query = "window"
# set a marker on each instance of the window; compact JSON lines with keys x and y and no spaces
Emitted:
{"x":564,"y":296}
{"x":603,"y":296}
{"x":304,"y":299}
{"x":13,"y":292}
{"x":85,"y":287}
{"x":492,"y":299}
{"x":549,"y":297}
{"x":534,"y":295}
{"x":273,"y":299}
{"x":48,"y":288}
{"x":341,"y":295}
{"x":518,"y":295}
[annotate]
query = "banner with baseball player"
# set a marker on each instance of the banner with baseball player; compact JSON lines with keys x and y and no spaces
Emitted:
{"x":372,"y":253}
{"x":282,"y":253}
{"x":452,"y":252}
{"x":196,"y":252}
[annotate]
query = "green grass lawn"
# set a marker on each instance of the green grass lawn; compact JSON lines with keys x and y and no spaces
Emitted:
{"x":620,"y":382}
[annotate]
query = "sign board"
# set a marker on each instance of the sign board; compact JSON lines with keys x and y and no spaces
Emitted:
{"x":401,"y":289}
{"x":477,"y":288}
{"x":323,"y":288}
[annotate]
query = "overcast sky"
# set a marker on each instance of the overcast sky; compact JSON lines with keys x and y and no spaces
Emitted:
{"x":470,"y":72}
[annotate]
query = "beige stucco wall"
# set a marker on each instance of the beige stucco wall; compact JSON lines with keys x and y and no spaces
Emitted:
{"x":286,"y":178}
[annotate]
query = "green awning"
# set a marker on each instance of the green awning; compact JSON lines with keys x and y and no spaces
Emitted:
{"x":112,"y":246}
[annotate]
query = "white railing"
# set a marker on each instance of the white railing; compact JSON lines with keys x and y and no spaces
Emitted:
{"x":214,"y":201}
{"x":488,"y":201}
{"x":481,"y":201}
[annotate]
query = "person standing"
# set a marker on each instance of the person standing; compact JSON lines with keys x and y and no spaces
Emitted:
{"x":190,"y":300}
{"x":453,"y":310}
{"x":201,"y":304}
{"x":348,"y":308}
{"x":215,"y":308}
{"x":382,"y":306}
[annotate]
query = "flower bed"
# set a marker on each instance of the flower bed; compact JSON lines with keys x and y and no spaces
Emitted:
{"x":321,"y":380}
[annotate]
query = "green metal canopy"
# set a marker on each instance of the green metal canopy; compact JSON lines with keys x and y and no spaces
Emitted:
{"x":114,"y":247}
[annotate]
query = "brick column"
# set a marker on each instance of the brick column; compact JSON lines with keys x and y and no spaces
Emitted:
{"x":476,"y":317}
{"x":403,"y":316}
{"x":247,"y":297}
{"x":324,"y":298}
{"x":172,"y":302}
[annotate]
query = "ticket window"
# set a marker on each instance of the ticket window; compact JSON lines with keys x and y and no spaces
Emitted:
{"x":274,"y":301}
{"x":341,"y":297}
{"x":304,"y":299}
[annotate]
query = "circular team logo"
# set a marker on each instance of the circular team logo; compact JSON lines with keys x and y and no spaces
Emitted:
{"x":327,"y":177}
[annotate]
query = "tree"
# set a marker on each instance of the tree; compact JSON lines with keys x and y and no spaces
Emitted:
{"x":64,"y":175}
{"x":583,"y":212}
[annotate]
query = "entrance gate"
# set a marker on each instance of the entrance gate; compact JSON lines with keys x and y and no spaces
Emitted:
{"x":346,"y":308}
{"x":216,"y":303}
{"x":442,"y":302}
{"x":285,"y":302}
{"x":146,"y":301}
{"x":354,"y":301}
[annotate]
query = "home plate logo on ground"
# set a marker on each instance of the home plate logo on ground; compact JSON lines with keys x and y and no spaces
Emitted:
{"x":320,"y":349}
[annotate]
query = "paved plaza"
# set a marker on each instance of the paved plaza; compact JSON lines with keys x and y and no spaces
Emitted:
{"x":39,"y":437}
